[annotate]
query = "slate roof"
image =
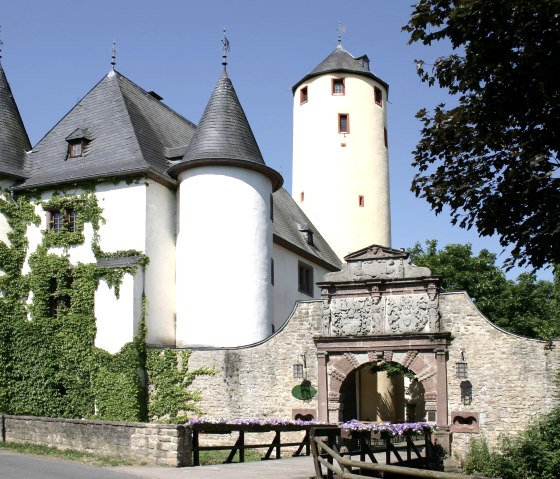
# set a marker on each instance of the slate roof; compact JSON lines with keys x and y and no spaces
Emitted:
{"x":340,"y":61}
{"x":289,"y":221}
{"x":14,"y":141}
{"x":224,"y":136}
{"x":129,"y":132}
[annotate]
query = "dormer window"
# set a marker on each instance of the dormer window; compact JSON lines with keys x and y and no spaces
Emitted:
{"x":75,"y":149}
{"x":307,"y":234}
{"x":77,"y":142}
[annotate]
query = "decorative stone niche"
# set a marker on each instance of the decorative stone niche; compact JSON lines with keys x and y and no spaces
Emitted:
{"x":465,"y":421}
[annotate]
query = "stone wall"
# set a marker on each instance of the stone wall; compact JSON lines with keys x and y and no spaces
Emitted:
{"x":256,"y":381}
{"x":143,"y":443}
{"x":512,"y":377}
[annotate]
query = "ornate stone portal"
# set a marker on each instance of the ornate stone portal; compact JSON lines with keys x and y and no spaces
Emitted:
{"x":381,"y":307}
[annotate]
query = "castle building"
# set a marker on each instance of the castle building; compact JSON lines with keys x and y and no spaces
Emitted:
{"x":199,"y":202}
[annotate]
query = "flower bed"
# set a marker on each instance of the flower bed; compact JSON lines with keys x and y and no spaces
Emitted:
{"x":399,"y":429}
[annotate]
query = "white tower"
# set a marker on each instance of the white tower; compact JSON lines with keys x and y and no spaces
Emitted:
{"x":340,"y":156}
{"x":224,"y":239}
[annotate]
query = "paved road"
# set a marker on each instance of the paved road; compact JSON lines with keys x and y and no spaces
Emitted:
{"x":20,"y":466}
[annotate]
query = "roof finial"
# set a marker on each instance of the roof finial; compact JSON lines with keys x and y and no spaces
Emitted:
{"x":341,"y":30}
{"x":225,"y":50}
{"x":114,"y":55}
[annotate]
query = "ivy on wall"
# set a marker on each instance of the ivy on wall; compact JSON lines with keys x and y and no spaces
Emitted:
{"x":49,"y":365}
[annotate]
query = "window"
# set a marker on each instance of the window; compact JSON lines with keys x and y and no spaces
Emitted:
{"x":338,"y":86}
{"x":301,"y":196}
{"x":59,"y":297}
{"x":271,"y":208}
{"x":59,"y":220}
{"x":272,"y":271}
{"x":75,"y":149}
{"x":378,"y":96}
{"x":361,"y":201}
{"x":343,"y":123}
{"x":305,"y":278}
{"x":303,"y":95}
{"x":385,"y":137}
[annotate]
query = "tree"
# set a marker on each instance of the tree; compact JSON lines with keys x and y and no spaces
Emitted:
{"x":493,"y":158}
{"x":527,"y":306}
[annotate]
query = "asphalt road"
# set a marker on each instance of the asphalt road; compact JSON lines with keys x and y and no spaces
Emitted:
{"x":22,"y":466}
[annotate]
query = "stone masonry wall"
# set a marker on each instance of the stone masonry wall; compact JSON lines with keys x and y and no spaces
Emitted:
{"x":143,"y":443}
{"x":512,"y":377}
{"x":256,"y":381}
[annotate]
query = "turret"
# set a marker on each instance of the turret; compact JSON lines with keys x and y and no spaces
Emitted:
{"x":340,"y":154}
{"x":224,"y":240}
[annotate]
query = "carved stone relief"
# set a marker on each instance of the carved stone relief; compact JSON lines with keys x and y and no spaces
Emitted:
{"x":351,"y":316}
{"x":410,"y":313}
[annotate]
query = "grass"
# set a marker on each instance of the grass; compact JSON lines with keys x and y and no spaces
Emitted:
{"x":208,"y":458}
{"x":67,"y":454}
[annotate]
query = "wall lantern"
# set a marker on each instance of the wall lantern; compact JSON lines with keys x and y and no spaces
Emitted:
{"x":461,"y":367}
{"x":299,"y":368}
{"x":466,"y":392}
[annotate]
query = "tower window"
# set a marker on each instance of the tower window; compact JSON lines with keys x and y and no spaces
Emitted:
{"x":361,"y":201}
{"x":272,"y":271}
{"x":338,"y":86}
{"x":343,"y":123}
{"x":378,"y":96}
{"x":301,"y":196}
{"x":271,"y":208}
{"x":385,"y":137}
{"x":305,"y":278}
{"x":303,"y":95}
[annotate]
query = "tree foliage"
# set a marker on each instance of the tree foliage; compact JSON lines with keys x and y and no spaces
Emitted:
{"x":493,"y":158}
{"x":527,"y":306}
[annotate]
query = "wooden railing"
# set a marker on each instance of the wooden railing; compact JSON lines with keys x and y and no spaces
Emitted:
{"x":330,"y":454}
{"x":275,"y":446}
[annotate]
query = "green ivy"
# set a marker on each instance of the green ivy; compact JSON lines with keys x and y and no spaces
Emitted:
{"x":49,"y":365}
{"x":392,"y":369}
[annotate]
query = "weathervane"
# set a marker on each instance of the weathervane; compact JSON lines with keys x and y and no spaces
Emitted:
{"x":341,"y":30}
{"x":225,"y":49}
{"x":114,"y":55}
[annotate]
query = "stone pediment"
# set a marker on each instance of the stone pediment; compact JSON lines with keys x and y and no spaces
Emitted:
{"x":377,"y":263}
{"x":375,"y":252}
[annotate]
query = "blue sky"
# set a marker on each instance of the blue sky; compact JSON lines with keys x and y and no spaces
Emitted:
{"x":55,"y":51}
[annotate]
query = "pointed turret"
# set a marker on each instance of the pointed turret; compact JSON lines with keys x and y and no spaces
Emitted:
{"x":224,"y":241}
{"x":14,"y":142}
{"x":224,"y":136}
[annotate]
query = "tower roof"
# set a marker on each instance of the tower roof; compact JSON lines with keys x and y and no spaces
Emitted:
{"x":340,"y":61}
{"x":126,"y":132}
{"x":14,"y":141}
{"x":224,"y":136}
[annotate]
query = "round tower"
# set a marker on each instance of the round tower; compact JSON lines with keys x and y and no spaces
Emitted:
{"x":224,"y":230}
{"x":340,"y":154}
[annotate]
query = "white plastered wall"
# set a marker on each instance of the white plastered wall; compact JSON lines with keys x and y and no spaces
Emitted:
{"x":224,"y":247}
{"x":285,"y":291}
{"x":333,"y":169}
{"x":160,"y":273}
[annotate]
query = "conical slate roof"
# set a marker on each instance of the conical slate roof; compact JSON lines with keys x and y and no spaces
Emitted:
{"x":340,"y":61}
{"x":14,"y":141}
{"x":128,"y":132}
{"x":224,"y":136}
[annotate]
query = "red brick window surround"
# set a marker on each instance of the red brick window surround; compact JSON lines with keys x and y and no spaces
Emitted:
{"x":338,"y":87}
{"x":303,"y":95}
{"x":378,"y":96}
{"x":343,"y":123}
